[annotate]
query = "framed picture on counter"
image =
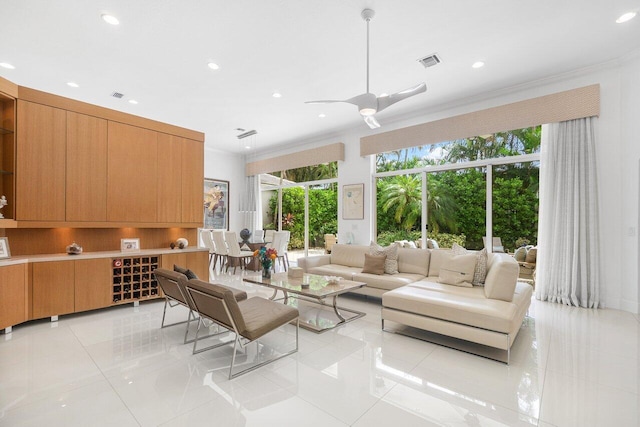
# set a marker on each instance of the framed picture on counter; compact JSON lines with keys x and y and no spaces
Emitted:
{"x":216,"y":204}
{"x":5,"y":253}
{"x":130,"y":245}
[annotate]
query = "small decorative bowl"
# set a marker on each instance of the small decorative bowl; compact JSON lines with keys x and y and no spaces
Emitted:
{"x":74,"y":249}
{"x":332,"y":280}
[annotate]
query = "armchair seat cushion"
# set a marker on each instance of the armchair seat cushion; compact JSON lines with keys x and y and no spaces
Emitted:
{"x":263,"y":315}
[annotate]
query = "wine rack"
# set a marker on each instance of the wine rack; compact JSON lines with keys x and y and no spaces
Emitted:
{"x":133,"y":279}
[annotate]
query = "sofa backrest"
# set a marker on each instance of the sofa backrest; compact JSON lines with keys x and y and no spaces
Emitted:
{"x":502,"y":276}
{"x":438,"y":257}
{"x":348,"y":255}
{"x":415,"y":261}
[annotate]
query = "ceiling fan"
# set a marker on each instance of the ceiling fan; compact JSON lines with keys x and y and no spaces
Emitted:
{"x":368,"y":104}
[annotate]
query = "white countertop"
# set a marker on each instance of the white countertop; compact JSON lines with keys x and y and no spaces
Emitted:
{"x":92,"y":255}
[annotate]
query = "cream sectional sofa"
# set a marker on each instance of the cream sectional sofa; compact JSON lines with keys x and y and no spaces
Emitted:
{"x":490,"y":315}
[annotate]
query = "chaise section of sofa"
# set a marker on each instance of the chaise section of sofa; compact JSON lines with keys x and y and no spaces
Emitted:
{"x":489,"y":315}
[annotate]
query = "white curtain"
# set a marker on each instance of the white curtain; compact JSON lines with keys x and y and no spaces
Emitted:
{"x":250,"y":212}
{"x":567,"y":270}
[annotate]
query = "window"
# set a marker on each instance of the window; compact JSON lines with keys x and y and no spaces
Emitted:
{"x":458,"y":203}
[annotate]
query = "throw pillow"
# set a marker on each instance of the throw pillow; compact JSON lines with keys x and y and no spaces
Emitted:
{"x":532,"y":254}
{"x":374,"y":264}
{"x":432,"y":244}
{"x":458,"y":270}
{"x":520,"y":254}
{"x":480,"y":272}
{"x":391,"y":252}
{"x":410,"y":245}
{"x":190,"y":274}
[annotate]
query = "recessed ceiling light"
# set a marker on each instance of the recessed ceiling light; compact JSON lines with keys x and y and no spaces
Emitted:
{"x":109,"y":19}
{"x":277,"y":95}
{"x":73,"y":84}
{"x":626,"y":17}
{"x":133,"y":101}
{"x":322,"y":115}
{"x":478,"y":64}
{"x":213,"y":66}
{"x":247,"y":147}
{"x":384,"y":94}
{"x":7,"y":65}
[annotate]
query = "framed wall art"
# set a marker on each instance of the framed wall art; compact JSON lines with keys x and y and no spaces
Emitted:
{"x":5,"y":253}
{"x":130,"y":245}
{"x":216,"y":204}
{"x":353,"y":201}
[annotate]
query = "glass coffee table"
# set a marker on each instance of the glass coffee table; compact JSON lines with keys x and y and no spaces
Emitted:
{"x":313,"y":289}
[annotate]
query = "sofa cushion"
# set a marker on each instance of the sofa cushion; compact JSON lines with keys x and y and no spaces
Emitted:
{"x":391,"y":251}
{"x":374,"y":264}
{"x":480,"y":273}
{"x":348,"y":255}
{"x":386,"y":281}
{"x":431,"y":284}
{"x":335,"y":270}
{"x":438,"y":256}
{"x":491,"y":314}
{"x":458,"y":270}
{"x":413,"y":261}
{"x":502,"y":277}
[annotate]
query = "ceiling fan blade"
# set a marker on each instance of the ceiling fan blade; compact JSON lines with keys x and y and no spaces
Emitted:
{"x":385,"y":101}
{"x":371,"y":121}
{"x":324,"y":101}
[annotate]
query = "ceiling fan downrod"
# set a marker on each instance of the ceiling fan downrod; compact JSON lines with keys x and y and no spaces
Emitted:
{"x":367,"y":15}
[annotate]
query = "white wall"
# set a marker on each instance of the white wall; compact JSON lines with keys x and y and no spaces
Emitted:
{"x":618,"y":165}
{"x":228,"y":167}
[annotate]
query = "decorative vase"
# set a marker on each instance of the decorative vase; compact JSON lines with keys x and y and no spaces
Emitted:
{"x":266,"y":272}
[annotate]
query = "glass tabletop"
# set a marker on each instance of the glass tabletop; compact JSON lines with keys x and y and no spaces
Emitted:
{"x":318,"y":286}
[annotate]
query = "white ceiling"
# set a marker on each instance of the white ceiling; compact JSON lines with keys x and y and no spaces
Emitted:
{"x":305,"y":49}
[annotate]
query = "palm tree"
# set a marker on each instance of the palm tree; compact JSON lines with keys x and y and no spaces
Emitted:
{"x":402,"y":196}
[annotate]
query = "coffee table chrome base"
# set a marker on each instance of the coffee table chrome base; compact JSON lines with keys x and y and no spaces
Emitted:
{"x":337,"y":311}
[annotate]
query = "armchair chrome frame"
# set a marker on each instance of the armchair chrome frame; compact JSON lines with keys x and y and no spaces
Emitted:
{"x":231,"y":327}
{"x":174,"y":295}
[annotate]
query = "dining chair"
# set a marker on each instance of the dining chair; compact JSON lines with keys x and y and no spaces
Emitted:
{"x":258,"y":236}
{"x":221,"y":250}
{"x":268,"y":237}
{"x":280,"y":244}
{"x":235,"y":253}
{"x":207,"y":241}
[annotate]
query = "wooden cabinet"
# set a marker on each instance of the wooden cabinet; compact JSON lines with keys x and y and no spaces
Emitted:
{"x":13,"y":295}
{"x":192,"y":181}
{"x":92,"y":278}
{"x":53,"y":288}
{"x":7,"y":152}
{"x":41,"y":159}
{"x":132,"y":174}
{"x":86,"y":182}
{"x":169,"y":178}
{"x":198,"y":262}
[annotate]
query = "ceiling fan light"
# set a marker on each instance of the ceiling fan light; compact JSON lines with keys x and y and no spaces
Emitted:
{"x":626,"y":17}
{"x":366,"y":111}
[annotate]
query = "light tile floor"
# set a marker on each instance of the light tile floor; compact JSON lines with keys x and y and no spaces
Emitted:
{"x":116,"y":367}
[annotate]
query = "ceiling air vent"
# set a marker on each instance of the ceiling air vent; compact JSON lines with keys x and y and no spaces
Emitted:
{"x":246,"y":134}
{"x":430,"y":61}
{"x":117,"y":95}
